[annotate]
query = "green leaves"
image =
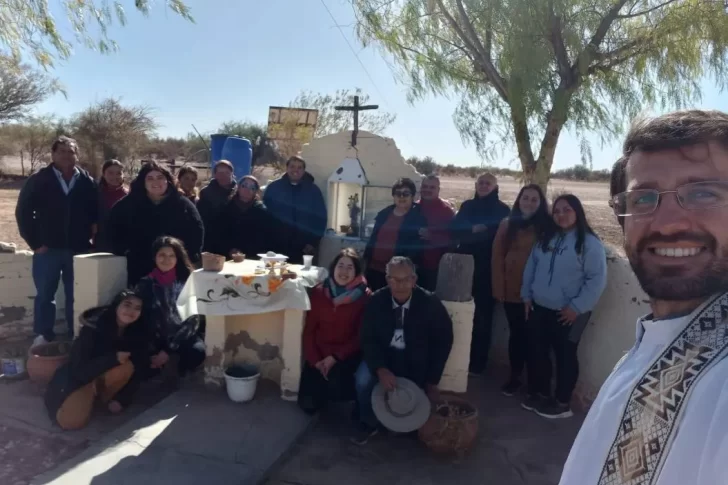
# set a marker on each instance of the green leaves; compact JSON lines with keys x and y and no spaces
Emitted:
{"x":27,"y":27}
{"x":578,"y":64}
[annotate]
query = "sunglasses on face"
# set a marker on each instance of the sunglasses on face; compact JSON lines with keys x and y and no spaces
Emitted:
{"x":403,"y":194}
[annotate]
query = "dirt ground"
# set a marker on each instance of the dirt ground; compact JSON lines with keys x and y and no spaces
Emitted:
{"x":593,"y":195}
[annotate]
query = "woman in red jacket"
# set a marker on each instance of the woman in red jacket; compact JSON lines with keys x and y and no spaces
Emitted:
{"x":331,"y":334}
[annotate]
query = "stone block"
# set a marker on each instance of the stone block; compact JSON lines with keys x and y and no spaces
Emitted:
{"x":455,"y":376}
{"x":99,"y":273}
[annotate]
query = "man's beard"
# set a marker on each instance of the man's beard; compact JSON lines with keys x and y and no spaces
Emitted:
{"x":669,"y":283}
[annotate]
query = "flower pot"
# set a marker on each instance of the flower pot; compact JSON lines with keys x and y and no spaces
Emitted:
{"x":241,"y":382}
{"x":452,"y":426}
{"x":45,"y":359}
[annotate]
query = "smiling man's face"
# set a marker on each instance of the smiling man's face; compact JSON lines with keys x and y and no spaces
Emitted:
{"x":678,"y":254}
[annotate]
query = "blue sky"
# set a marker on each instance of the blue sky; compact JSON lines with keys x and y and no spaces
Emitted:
{"x":241,"y":57}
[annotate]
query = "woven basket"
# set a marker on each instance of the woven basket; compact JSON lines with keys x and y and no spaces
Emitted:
{"x":212,"y":262}
{"x":452,"y":426}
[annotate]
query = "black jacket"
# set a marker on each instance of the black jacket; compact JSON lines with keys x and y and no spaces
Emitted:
{"x":409,"y":242}
{"x":93,"y":353}
{"x":213,"y":199}
{"x":490,"y":211}
{"x":427,"y":334}
{"x":135,"y":222}
{"x":251,"y":230}
{"x":46,"y":216}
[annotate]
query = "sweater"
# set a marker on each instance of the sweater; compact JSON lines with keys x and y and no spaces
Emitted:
{"x":508,"y":263}
{"x":439,"y":216}
{"x":428,"y":336}
{"x":332,"y":330}
{"x":135,"y":222}
{"x":409,"y":243}
{"x":46,"y":216}
{"x":557,"y":277}
{"x":489,"y":211}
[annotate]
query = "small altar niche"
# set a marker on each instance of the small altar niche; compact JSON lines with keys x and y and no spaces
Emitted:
{"x":346,"y":197}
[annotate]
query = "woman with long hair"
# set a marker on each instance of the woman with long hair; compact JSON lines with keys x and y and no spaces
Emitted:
{"x":111,"y":190}
{"x":331,"y":347}
{"x":396,"y":233}
{"x":153,"y":208}
{"x":159,"y":290}
{"x":564,"y":277}
{"x":246,"y":226}
{"x":187,"y":183}
{"x":111,"y":349}
{"x":514,"y":240}
{"x":474,"y":229}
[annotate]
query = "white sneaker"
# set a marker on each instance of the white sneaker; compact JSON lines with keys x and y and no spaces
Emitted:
{"x":39,"y":340}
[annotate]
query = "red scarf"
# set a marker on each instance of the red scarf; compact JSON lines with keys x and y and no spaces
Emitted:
{"x":112,"y":195}
{"x":164,"y":278}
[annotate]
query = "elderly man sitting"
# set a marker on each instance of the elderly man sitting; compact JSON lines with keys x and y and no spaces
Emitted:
{"x":406,"y":333}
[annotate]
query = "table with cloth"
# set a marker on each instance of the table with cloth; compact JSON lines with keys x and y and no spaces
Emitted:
{"x":252,"y":318}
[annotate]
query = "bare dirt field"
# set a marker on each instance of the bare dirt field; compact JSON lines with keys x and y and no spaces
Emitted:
{"x":593,"y":195}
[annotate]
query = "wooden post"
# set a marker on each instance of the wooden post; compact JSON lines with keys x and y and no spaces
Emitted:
{"x":455,"y":277}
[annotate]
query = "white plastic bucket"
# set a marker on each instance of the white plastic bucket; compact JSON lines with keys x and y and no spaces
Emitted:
{"x":241,"y":382}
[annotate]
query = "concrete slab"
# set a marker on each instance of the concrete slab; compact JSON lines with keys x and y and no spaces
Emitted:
{"x":195,"y":434}
{"x":514,"y":447}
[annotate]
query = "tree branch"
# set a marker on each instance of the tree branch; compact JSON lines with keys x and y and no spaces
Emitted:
{"x":485,"y":64}
{"x":557,"y":41}
{"x":645,"y":12}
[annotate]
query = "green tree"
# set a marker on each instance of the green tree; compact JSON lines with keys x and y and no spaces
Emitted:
{"x":28,"y":26}
{"x":528,"y":69}
{"x":332,"y":121}
{"x":21,"y":87}
{"x":265,"y":150}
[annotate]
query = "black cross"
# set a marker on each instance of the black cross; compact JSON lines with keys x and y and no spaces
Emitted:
{"x":356,"y":108}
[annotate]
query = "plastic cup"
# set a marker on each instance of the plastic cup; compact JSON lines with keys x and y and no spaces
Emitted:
{"x":307,"y":261}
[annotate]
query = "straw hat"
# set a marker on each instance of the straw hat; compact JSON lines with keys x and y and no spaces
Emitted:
{"x":403,"y":410}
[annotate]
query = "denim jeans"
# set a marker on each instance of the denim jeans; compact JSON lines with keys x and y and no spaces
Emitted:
{"x":364,"y":382}
{"x":48,"y":268}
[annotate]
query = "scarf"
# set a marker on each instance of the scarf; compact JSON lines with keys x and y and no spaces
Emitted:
{"x":653,"y":413}
{"x":347,"y":294}
{"x":164,"y":278}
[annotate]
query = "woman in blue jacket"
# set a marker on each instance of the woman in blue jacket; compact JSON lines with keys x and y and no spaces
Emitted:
{"x":564,"y":277}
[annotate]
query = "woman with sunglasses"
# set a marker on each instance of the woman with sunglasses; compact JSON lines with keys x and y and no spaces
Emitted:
{"x":246,"y":225}
{"x":396,"y":233}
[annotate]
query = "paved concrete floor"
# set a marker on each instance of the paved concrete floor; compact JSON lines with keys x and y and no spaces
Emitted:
{"x":514,"y":447}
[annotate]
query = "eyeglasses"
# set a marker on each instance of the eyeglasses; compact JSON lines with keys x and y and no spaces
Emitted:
{"x":250,"y":186}
{"x":403,"y":194}
{"x":693,"y":197}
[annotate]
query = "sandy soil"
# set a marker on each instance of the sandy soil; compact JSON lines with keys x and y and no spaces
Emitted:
{"x":593,"y":195}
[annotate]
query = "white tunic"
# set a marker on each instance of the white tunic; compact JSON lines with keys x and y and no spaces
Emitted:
{"x":699,"y":452}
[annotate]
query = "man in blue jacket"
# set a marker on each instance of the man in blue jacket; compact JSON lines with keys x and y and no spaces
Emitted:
{"x":57,"y":213}
{"x":296,"y":202}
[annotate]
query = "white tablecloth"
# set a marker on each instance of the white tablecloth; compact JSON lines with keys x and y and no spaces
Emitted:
{"x":237,"y":290}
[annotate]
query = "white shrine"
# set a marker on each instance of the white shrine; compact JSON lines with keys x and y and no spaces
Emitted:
{"x":342,"y":172}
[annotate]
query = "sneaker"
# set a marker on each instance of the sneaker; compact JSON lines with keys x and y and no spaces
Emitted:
{"x":511,"y":387}
{"x":39,"y":340}
{"x":553,"y":409}
{"x":363,"y":435}
{"x":532,"y":402}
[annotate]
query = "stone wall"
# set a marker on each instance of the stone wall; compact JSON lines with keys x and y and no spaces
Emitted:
{"x":17,"y":295}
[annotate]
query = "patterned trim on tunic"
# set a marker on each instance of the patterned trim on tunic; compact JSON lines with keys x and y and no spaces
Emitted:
{"x":654,"y":409}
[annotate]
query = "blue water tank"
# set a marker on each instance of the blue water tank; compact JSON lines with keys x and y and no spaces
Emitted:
{"x":239,"y":152}
{"x":217,"y":142}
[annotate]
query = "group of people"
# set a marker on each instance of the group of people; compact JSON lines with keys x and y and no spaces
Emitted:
{"x":658,"y":418}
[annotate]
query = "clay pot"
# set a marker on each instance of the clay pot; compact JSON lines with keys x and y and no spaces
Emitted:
{"x":45,"y":359}
{"x":452,"y":426}
{"x":212,"y":262}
